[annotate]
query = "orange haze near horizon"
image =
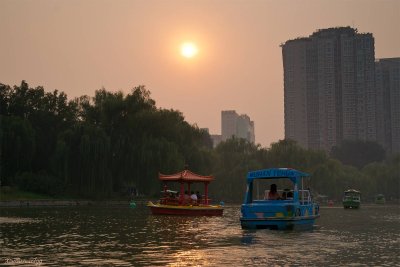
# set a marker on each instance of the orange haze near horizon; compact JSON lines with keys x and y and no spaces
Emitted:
{"x":81,"y":46}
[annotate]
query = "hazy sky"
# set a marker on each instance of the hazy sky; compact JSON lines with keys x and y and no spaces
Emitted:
{"x":80,"y":46}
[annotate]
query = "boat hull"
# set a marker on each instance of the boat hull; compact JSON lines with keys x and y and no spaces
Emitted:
{"x":380,"y":199}
{"x":295,"y":223}
{"x":351,"y":204}
{"x":201,"y":210}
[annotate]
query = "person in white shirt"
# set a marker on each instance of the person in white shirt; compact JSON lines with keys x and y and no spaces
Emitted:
{"x":193,"y":197}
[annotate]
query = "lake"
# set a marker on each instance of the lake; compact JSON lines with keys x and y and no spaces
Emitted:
{"x":116,"y":235}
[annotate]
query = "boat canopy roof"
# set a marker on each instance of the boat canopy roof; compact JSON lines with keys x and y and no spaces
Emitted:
{"x":274,"y":173}
{"x":352,"y":191}
{"x":185,"y":176}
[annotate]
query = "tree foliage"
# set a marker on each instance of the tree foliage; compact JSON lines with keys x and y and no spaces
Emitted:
{"x":99,"y":147}
{"x":358,"y":153}
{"x":95,"y":147}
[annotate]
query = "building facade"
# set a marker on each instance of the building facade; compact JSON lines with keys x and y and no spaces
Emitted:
{"x":329,"y":88}
{"x":235,"y":125}
{"x":388,"y":103}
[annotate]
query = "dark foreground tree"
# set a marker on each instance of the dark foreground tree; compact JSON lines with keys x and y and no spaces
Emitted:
{"x":358,"y":153}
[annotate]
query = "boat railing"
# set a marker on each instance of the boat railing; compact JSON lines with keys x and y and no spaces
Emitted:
{"x":176,"y":201}
{"x":305,"y":197}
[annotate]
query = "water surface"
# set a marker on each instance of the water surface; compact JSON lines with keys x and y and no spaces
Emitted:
{"x":121,"y":236}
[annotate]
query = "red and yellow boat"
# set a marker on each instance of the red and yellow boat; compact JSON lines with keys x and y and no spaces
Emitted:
{"x":178,"y":204}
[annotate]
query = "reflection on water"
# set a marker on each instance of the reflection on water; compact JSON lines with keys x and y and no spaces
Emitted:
{"x":120,"y":236}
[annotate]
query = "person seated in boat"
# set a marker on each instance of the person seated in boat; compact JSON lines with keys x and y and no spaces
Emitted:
{"x":193,"y":198}
{"x":170,"y":198}
{"x":287,"y":194}
{"x":284,"y":193}
{"x":186,"y":197}
{"x":198,"y":197}
{"x":174,"y":198}
{"x":273,"y":193}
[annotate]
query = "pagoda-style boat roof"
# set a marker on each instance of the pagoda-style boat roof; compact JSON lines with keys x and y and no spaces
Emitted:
{"x":185,"y":176}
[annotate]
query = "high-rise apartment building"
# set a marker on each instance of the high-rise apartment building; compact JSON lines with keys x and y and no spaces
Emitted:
{"x":228,"y":124}
{"x":329,"y":87}
{"x":239,"y":126}
{"x":388,"y":103}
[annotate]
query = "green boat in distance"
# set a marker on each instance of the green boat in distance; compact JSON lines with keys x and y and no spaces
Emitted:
{"x":351,"y":199}
{"x":380,"y":199}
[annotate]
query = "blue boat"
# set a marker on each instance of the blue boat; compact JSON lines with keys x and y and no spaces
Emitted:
{"x":291,"y":208}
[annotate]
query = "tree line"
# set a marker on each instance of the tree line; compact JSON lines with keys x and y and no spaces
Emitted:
{"x":99,"y":147}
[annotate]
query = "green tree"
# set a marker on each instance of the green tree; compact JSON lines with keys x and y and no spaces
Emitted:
{"x":234,"y":158}
{"x":17,"y":147}
{"x":358,"y":153}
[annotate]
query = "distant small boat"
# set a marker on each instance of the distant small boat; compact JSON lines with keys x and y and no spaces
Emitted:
{"x":351,"y":199}
{"x":175,"y":203}
{"x":293,"y":209}
{"x":380,"y":199}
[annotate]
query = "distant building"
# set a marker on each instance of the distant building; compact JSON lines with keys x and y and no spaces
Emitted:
{"x":205,"y":130}
{"x":216,"y":138}
{"x":388,"y":103}
{"x":329,"y":88}
{"x":240,"y":126}
{"x":228,"y":124}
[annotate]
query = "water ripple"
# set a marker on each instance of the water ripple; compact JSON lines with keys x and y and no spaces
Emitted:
{"x":119,"y":236}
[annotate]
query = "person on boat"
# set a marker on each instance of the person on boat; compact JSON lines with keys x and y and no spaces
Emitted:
{"x":284,"y":193}
{"x":273,"y":193}
{"x":198,"y":197}
{"x":186,"y":197}
{"x":193,"y":197}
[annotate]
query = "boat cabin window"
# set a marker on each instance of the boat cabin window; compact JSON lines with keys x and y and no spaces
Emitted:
{"x":286,"y":194}
{"x":352,"y":195}
{"x":272,"y":189}
{"x":281,"y":189}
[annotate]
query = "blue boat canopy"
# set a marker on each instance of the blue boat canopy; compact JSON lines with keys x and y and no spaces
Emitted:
{"x":275,"y":173}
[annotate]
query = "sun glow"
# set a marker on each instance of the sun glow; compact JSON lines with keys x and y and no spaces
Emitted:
{"x":189,"y":50}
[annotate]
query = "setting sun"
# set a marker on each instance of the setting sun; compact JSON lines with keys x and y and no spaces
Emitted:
{"x":189,"y":50}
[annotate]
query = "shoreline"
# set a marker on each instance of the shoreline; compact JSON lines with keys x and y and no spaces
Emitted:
{"x":54,"y":203}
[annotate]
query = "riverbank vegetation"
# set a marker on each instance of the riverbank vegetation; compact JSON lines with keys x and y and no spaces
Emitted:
{"x":8,"y":193}
{"x":114,"y":145}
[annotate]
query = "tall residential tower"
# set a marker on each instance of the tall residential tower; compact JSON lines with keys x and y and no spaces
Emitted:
{"x":329,"y":87}
{"x":388,"y":103}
